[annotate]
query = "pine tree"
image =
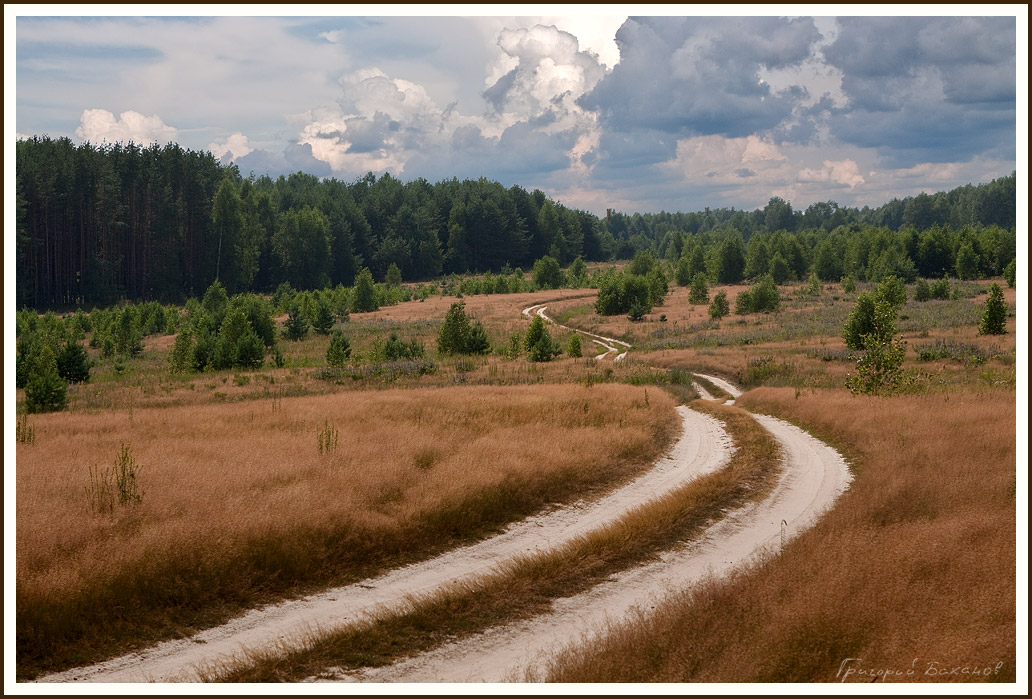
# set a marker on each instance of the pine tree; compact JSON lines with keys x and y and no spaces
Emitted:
{"x":73,"y":364}
{"x":45,"y":390}
{"x":478,"y":342}
{"x":994,"y":315}
{"x":534,"y":333}
{"x":296,"y":327}
{"x":699,"y":290}
{"x":364,"y":298}
{"x":322,"y":320}
{"x":339,"y":351}
{"x":574,"y":347}
{"x":720,"y":306}
{"x":454,"y":335}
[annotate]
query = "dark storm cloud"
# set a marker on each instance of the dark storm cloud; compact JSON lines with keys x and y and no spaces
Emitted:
{"x":929,"y":89}
{"x":700,"y":76}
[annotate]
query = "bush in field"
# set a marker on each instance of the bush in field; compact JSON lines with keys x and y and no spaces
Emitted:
{"x":45,"y":390}
{"x":322,"y":317}
{"x":619,"y":293}
{"x":296,"y":327}
{"x":637,"y":312}
{"x":699,"y":290}
{"x":339,"y":351}
{"x":454,"y":334}
{"x":460,"y":335}
{"x":363,"y":298}
{"x":393,"y":276}
{"x":534,"y":332}
{"x":922,"y":292}
{"x":871,"y":317}
{"x":578,"y":275}
{"x":762,"y":298}
{"x":994,"y":314}
{"x":880,"y":369}
{"x":478,"y":342}
{"x":547,"y":274}
{"x":215,"y":301}
{"x":941,"y":289}
{"x":871,"y":327}
{"x":683,"y":272}
{"x":394,"y":349}
{"x":181,"y":356}
{"x":720,"y":306}
{"x":573,"y":349}
{"x":848,"y":284}
{"x":658,"y":286}
{"x":128,"y":340}
{"x":1010,"y":273}
{"x":73,"y":364}
{"x":893,"y":290}
{"x":813,"y":286}
{"x":545,"y":349}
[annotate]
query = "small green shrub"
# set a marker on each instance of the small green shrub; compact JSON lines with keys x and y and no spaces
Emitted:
{"x":573,"y":348}
{"x":719,"y":307}
{"x":339,"y":351}
{"x":922,"y":292}
{"x":699,"y":290}
{"x":296,"y":327}
{"x":879,"y":370}
{"x":45,"y":390}
{"x":994,"y":314}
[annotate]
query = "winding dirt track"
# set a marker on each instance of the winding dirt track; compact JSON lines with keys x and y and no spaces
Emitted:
{"x":703,"y":447}
{"x":815,"y":475}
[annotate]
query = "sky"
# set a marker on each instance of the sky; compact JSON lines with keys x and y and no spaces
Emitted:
{"x":596,"y":108}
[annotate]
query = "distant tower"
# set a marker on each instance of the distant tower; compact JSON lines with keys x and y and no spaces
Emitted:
{"x":609,"y":215}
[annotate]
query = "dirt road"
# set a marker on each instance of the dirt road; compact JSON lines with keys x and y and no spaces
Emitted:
{"x":815,"y":476}
{"x":703,"y":447}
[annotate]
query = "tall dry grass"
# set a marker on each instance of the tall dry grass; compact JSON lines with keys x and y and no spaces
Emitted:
{"x":910,"y":577}
{"x":526,"y":586}
{"x":240,"y":504}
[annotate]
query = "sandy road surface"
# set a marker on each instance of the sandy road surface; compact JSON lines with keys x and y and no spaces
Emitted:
{"x":814,"y":477}
{"x":703,"y":447}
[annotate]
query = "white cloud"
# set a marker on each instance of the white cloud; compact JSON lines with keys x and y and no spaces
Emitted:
{"x":845,"y":172}
{"x":236,"y":146}
{"x":99,"y":126}
{"x":720,"y":159}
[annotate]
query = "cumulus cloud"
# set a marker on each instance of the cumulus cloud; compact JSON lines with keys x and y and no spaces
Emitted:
{"x":845,"y":172}
{"x":701,"y":75}
{"x":534,"y":125}
{"x":926,"y":88}
{"x":236,"y":146}
{"x":728,"y":159}
{"x":100,"y":125}
{"x":548,"y":70}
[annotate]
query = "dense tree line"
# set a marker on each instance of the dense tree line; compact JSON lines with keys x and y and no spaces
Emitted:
{"x":99,"y":224}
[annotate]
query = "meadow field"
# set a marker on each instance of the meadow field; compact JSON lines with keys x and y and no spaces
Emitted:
{"x":159,"y":504}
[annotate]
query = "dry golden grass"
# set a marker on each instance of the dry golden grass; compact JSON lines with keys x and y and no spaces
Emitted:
{"x":527,"y":586}
{"x":914,"y":569}
{"x":239,"y":503}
